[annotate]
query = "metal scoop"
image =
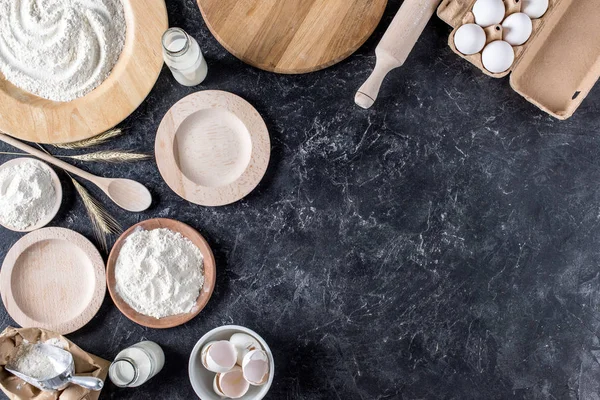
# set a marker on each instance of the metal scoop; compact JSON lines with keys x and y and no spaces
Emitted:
{"x":64,"y":365}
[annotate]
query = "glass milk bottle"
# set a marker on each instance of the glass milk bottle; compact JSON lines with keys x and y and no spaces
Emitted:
{"x":184,"y":58}
{"x":136,"y":364}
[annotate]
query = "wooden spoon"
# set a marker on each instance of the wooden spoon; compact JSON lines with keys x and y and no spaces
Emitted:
{"x":126,"y":193}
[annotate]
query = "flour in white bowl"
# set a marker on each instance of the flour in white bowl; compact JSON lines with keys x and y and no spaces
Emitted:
{"x":60,"y":49}
{"x":159,"y":273}
{"x":27,"y":194}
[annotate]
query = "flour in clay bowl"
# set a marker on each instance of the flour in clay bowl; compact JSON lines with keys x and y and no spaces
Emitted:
{"x":60,"y":49}
{"x":159,"y":273}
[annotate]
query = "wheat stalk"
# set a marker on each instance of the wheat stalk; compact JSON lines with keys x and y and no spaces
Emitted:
{"x":112,"y":156}
{"x":94,"y":141}
{"x":102,"y":222}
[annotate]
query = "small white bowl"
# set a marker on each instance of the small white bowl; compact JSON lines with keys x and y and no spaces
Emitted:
{"x":202,"y":379}
{"x":57,"y":191}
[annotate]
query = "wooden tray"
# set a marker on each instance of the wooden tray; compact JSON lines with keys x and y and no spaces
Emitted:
{"x":212,"y":148}
{"x":29,"y":117}
{"x":292,"y":36}
{"x":53,"y":278}
{"x":210,"y":274}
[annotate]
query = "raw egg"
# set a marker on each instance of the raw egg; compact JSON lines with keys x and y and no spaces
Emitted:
{"x":498,"y":56}
{"x":488,"y":12}
{"x":517,"y":28}
{"x":469,"y":39}
{"x":534,"y":8}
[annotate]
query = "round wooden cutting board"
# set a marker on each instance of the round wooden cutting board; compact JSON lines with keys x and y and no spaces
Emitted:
{"x":292,"y":36}
{"x":32,"y":118}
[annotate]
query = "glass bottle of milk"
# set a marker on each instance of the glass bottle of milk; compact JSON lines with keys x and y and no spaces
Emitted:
{"x":136,"y":364}
{"x":184,"y":58}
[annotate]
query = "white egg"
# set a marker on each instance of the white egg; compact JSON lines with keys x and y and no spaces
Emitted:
{"x":255,"y":367}
{"x":488,"y":12}
{"x":469,"y":39}
{"x":243,"y":344}
{"x":231,"y":384}
{"x":516,"y":29}
{"x":534,"y":8}
{"x":219,"y":356}
{"x":498,"y":56}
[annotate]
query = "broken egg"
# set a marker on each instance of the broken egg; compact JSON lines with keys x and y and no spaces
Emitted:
{"x":244,"y":343}
{"x":534,"y":8}
{"x":498,"y":56}
{"x":219,"y":356}
{"x":488,"y":12}
{"x":516,"y":29}
{"x":469,"y":39}
{"x":231,"y":383}
{"x":255,"y":367}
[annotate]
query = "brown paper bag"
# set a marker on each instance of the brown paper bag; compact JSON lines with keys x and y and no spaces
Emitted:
{"x":85,"y":364}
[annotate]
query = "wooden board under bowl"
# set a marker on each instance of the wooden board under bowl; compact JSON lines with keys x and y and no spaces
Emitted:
{"x":32,"y":118}
{"x":292,"y":36}
{"x":210,"y":274}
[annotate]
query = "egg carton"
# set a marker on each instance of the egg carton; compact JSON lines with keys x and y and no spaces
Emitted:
{"x":559,"y":64}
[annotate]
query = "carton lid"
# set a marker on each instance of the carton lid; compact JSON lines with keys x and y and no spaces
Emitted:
{"x":560,"y":66}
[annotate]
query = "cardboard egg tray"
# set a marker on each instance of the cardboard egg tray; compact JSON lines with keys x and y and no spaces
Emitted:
{"x":559,"y":64}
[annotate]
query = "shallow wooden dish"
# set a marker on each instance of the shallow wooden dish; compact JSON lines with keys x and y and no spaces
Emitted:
{"x":212,"y":148}
{"x":210,"y":274}
{"x":57,"y":190}
{"x":53,"y":278}
{"x":292,"y":36}
{"x":32,"y":118}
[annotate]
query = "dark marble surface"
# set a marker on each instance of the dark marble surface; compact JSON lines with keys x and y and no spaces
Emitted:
{"x":442,"y":245}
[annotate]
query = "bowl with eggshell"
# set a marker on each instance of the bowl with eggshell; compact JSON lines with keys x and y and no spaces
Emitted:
{"x":243,"y":359}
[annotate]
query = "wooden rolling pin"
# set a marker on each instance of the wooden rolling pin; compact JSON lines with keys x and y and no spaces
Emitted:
{"x":396,"y":45}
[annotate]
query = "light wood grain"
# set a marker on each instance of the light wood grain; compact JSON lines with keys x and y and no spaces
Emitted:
{"x":396,"y":44}
{"x":32,"y":118}
{"x":212,"y":148}
{"x":53,"y":278}
{"x":57,"y":194}
{"x":292,"y":36}
{"x":210,"y":274}
{"x":126,"y":193}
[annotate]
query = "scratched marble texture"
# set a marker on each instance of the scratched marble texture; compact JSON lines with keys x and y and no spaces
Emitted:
{"x":443,"y":245}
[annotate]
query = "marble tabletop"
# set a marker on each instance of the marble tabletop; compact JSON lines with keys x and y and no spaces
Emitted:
{"x":441,"y":245}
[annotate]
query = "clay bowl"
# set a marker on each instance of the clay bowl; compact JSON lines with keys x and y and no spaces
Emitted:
{"x":209,"y":274}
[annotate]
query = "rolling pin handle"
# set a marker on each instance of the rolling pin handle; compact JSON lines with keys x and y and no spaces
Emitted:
{"x":368,"y":92}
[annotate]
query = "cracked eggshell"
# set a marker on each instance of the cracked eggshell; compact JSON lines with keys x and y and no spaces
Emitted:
{"x":219,"y":356}
{"x":255,"y":367}
{"x":488,"y":12}
{"x":231,"y":384}
{"x":516,"y":29}
{"x":244,"y":343}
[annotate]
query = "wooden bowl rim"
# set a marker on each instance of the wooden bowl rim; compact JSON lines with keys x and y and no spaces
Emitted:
{"x":210,"y":275}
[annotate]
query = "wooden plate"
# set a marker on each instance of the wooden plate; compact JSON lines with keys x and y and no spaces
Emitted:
{"x":57,"y":190}
{"x":29,"y":117}
{"x":210,"y":274}
{"x":53,"y":278}
{"x":212,"y":148}
{"x":292,"y":36}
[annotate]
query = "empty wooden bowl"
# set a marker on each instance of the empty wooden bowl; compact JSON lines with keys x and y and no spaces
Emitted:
{"x":210,"y":274}
{"x":212,"y":148}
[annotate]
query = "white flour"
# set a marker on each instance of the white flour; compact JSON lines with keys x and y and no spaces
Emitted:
{"x":27,"y":194}
{"x":159,"y":273}
{"x":60,"y":49}
{"x":31,"y":361}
